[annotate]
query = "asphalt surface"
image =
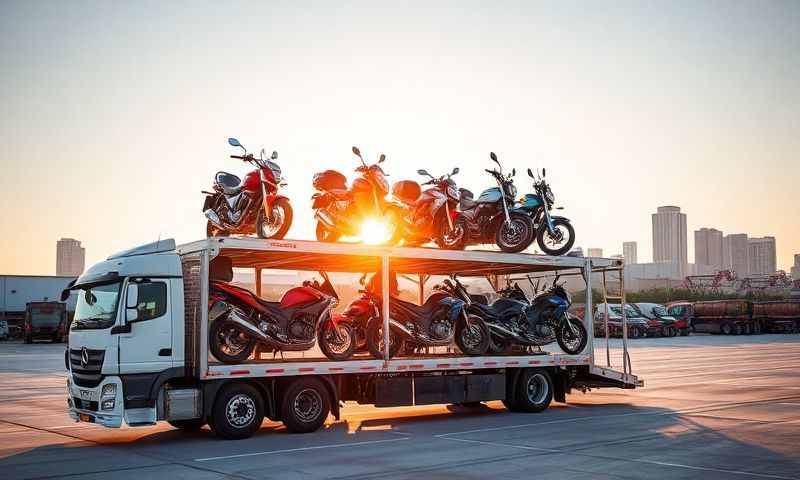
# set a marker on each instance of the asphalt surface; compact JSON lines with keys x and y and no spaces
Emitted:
{"x":713,"y":407}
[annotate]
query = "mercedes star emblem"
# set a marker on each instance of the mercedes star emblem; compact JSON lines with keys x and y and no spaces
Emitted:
{"x":84,"y":357}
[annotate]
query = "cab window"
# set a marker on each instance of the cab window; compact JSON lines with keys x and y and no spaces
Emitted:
{"x":152,"y":300}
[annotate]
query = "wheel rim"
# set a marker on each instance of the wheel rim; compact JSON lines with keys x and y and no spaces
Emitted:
{"x":240,"y":410}
{"x":558,"y":238}
{"x":452,"y":236}
{"x":307,"y":405}
{"x":513,"y":233}
{"x":341,"y":344}
{"x":273,"y":223}
{"x":231,"y":340}
{"x":572,"y":340}
{"x":380,"y":342}
{"x":537,"y":388}
{"x":471,"y":337}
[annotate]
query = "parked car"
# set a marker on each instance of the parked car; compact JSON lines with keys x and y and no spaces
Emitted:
{"x":659,"y":322}
{"x":683,"y":313}
{"x":637,"y":325}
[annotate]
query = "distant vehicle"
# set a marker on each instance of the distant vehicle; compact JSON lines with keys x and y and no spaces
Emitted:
{"x":683,"y":312}
{"x":658,"y":320}
{"x":728,"y":317}
{"x":637,"y":325}
{"x":4,"y":333}
{"x":45,"y":321}
{"x":781,"y":316}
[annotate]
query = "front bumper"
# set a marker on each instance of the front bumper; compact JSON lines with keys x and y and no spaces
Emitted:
{"x":86,"y":404}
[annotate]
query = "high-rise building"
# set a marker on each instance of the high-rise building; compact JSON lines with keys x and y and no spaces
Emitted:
{"x":734,"y":254}
{"x":629,"y":252}
{"x":594,"y":252}
{"x":708,"y":249}
{"x":70,"y":257}
{"x":762,"y":255}
{"x":669,"y":237}
{"x":795,"y":271}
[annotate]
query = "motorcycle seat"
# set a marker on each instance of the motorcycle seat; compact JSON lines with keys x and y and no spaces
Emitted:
{"x":427,"y":309}
{"x":466,"y":201}
{"x":341,"y":194}
{"x":230,"y":183}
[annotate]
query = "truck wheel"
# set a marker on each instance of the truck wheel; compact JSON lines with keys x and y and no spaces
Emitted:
{"x":305,"y":405}
{"x":534,"y":391}
{"x":238,"y":412}
{"x":738,"y":329}
{"x":757,"y":328}
{"x":726,"y":329}
{"x":188,"y":425}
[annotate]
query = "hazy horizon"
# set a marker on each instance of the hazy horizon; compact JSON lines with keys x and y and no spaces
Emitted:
{"x":116,"y":115}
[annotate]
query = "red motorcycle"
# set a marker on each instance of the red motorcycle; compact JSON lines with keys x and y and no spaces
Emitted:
{"x":239,"y":319}
{"x":242,"y":207}
{"x":355,"y":212}
{"x":428,"y":215}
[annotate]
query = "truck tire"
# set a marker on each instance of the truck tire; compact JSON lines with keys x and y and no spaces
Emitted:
{"x":726,"y":328}
{"x":237,"y":412}
{"x":188,"y":425}
{"x":305,"y":405}
{"x":534,"y":391}
{"x":738,"y":329}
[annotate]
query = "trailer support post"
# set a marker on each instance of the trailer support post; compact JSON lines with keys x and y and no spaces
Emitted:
{"x":385,"y":304}
{"x":587,"y":312}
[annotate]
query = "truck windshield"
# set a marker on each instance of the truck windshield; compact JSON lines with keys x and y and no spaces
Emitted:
{"x":45,"y":317}
{"x":96,"y":307}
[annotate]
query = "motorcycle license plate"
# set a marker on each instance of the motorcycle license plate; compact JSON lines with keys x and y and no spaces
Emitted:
{"x":86,"y":418}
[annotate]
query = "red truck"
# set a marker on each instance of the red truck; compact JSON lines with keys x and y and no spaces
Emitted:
{"x":45,"y":321}
{"x":781,"y":316}
{"x":728,"y":317}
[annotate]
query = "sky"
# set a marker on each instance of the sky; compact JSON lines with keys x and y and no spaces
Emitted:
{"x":115,"y":114}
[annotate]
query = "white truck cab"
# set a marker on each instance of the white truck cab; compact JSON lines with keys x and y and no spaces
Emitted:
{"x":123,"y":343}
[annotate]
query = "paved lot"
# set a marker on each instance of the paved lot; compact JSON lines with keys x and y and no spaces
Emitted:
{"x":713,"y":407}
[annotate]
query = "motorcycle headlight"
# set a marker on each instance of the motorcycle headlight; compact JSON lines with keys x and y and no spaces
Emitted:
{"x":512,"y":190}
{"x":276,"y":172}
{"x":551,"y":199}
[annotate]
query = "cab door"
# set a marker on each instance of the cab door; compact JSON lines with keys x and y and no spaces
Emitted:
{"x":145,"y":344}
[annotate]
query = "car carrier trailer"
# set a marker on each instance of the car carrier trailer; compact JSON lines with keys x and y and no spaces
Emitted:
{"x":149,"y":361}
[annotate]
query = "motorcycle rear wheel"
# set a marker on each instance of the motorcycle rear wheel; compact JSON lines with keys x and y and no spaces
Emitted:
{"x":225,"y":347}
{"x":375,"y":339}
{"x":326,"y":235}
{"x":337,"y":349}
{"x":282,"y":212}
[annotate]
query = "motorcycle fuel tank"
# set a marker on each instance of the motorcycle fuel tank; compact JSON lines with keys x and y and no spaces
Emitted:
{"x":531,"y":201}
{"x":491,"y":195}
{"x":299,"y":296}
{"x":252,"y":182}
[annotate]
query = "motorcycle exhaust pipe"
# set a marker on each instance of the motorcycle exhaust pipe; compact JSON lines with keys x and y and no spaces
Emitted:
{"x":212,"y":217}
{"x":325,"y":218}
{"x":237,"y":317}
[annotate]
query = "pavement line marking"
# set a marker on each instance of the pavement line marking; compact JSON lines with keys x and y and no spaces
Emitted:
{"x":699,"y":409}
{"x":635,"y":460}
{"x":302,"y":449}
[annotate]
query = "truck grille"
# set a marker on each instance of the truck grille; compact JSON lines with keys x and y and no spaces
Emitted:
{"x":87,"y":375}
{"x":84,"y":404}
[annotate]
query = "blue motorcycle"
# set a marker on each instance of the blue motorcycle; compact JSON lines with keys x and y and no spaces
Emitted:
{"x":555,"y":235}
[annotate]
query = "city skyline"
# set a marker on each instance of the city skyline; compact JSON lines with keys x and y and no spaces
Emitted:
{"x":112,"y":133}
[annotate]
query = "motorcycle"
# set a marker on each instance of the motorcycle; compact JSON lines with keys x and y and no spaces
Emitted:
{"x":239,"y":319}
{"x":555,"y":235}
{"x":513,"y":320}
{"x":429,"y":215}
{"x":354,"y":212}
{"x":441,"y":320}
{"x":242,"y":207}
{"x":492,"y":217}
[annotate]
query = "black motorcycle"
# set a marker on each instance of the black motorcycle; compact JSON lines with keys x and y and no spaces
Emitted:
{"x":554,"y":235}
{"x":492,"y":217}
{"x":514,"y":321}
{"x":438,"y":322}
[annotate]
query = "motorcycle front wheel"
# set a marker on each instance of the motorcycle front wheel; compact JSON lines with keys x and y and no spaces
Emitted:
{"x":572,"y":343}
{"x":228,"y":343}
{"x":213,"y":231}
{"x":472,"y":337}
{"x":559,"y":243}
{"x":452,"y":239}
{"x":277,"y":223}
{"x":516,"y":235}
{"x":337,"y":344}
{"x":375,"y":339}
{"x":326,"y":235}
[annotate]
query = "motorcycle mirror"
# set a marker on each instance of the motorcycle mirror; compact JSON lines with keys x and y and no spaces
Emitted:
{"x":530,"y":173}
{"x":233,"y":142}
{"x":513,"y":171}
{"x":274,"y":155}
{"x":383,"y":157}
{"x":363,"y":279}
{"x":493,"y":157}
{"x":422,"y":171}
{"x":544,"y":172}
{"x":356,"y":152}
{"x":455,"y":170}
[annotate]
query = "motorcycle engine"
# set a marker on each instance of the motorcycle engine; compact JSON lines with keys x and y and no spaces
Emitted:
{"x":441,"y":329}
{"x":302,"y":327}
{"x":544,"y":330}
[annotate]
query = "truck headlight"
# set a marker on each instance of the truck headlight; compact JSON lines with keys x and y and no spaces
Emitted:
{"x":109,"y":390}
{"x":107,"y":404}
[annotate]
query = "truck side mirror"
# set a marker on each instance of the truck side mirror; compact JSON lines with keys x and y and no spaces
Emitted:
{"x":131,"y":302}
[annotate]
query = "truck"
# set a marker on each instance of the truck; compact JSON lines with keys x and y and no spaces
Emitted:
{"x":780,"y":316}
{"x":728,"y":317}
{"x":45,"y":321}
{"x":138,"y":349}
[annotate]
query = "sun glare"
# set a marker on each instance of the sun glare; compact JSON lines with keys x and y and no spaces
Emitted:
{"x":374,"y":231}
